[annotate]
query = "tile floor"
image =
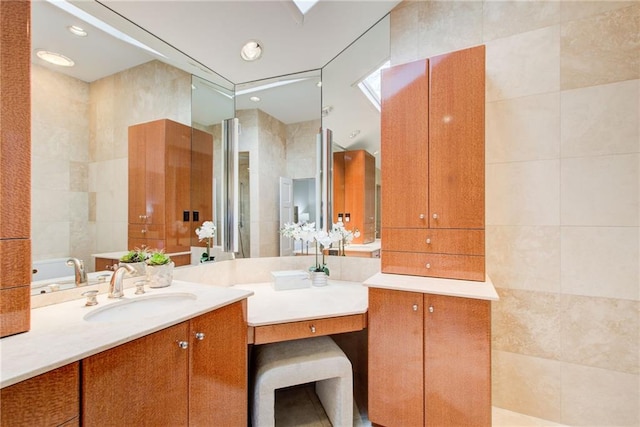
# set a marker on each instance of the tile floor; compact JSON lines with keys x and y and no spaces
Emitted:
{"x":299,"y":407}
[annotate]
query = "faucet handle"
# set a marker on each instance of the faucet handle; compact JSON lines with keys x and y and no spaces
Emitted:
{"x":91,"y":297}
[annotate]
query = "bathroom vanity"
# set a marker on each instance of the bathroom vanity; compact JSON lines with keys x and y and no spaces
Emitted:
{"x":194,"y":349}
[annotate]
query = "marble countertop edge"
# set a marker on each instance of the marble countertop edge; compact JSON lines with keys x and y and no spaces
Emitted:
{"x":434,"y":285}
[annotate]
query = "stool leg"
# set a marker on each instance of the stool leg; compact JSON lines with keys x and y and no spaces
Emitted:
{"x":336,"y":396}
{"x":264,"y":408}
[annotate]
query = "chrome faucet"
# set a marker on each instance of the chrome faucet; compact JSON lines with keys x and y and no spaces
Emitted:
{"x":80,"y":273}
{"x":116,"y":288}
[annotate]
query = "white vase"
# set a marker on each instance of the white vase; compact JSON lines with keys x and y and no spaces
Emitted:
{"x":160,"y":276}
{"x":319,"y":278}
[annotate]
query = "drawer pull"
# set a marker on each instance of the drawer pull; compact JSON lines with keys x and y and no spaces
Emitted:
{"x":313,"y":329}
{"x":183,"y":345}
{"x":199,"y":336}
{"x":422,"y":216}
{"x":143,"y":231}
{"x":428,"y":265}
{"x":428,"y":241}
{"x":430,"y":309}
{"x":415,"y":307}
{"x":435,"y":216}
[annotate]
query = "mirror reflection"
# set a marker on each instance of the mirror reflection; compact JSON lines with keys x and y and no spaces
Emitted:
{"x":80,"y":139}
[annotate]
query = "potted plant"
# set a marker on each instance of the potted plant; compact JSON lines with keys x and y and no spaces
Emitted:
{"x":136,"y":258}
{"x":206,"y":232}
{"x":307,"y":233}
{"x":159,"y":268}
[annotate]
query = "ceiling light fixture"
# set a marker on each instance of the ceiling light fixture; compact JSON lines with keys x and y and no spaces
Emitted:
{"x":255,"y":98}
{"x":251,"y":51}
{"x":326,"y":110}
{"x":77,"y":31}
{"x":354,"y":133}
{"x":55,"y":58}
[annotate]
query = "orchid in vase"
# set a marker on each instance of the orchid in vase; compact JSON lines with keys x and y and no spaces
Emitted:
{"x":308,"y":234}
{"x":206,"y":232}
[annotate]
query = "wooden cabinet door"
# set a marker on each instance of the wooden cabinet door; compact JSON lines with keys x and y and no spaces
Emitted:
{"x":143,"y":382}
{"x":218,"y":372}
{"x":137,"y":175}
{"x":49,"y":399}
{"x":177,"y":179}
{"x":457,"y":357}
{"x":456,"y":139}
{"x":404,"y":145}
{"x":396,"y":365}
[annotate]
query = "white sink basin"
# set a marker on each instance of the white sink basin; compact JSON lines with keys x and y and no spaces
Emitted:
{"x":141,"y":307}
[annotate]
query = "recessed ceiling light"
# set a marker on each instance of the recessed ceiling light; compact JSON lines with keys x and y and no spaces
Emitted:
{"x":251,"y":51}
{"x":78,"y":31}
{"x":55,"y":58}
{"x":255,"y":98}
{"x":354,"y":133}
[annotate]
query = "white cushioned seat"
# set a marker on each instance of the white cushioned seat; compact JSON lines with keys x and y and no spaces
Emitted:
{"x":302,"y":361}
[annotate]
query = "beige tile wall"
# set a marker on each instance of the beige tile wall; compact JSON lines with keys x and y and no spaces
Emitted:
{"x":562,"y":187}
{"x":79,"y":163}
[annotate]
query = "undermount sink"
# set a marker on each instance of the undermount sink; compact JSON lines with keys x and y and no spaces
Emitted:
{"x":141,"y":307}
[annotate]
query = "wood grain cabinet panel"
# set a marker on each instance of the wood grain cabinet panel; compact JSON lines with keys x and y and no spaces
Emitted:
{"x":433,"y":164}
{"x":193,"y":373}
{"x":143,"y":382}
{"x":15,"y":161}
{"x":159,"y":186}
{"x":354,"y":189}
{"x":218,"y":370}
{"x":429,"y":360}
{"x":49,"y":399}
{"x":446,"y":266}
{"x":309,"y":328}
{"x":396,"y":365}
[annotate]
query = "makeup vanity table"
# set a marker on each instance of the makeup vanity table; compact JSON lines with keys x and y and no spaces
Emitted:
{"x":274,"y":316}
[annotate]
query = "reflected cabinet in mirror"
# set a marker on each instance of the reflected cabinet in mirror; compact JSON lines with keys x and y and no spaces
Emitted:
{"x":80,"y":135}
{"x":80,"y":146}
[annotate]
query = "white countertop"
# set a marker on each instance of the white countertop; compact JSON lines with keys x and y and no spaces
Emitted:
{"x":339,"y":298}
{"x":433,"y":285}
{"x":120,"y":254}
{"x":59,"y":335}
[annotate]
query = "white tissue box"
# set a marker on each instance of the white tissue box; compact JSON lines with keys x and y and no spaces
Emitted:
{"x":290,"y":279}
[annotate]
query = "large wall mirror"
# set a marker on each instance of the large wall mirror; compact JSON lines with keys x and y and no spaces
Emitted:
{"x":351,"y":109}
{"x":80,"y":122}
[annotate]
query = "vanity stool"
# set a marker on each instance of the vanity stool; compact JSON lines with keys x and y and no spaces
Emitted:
{"x":302,"y":361}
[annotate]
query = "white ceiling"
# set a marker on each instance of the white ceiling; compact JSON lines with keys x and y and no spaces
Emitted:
{"x":201,"y":36}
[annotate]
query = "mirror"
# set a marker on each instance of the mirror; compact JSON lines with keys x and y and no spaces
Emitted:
{"x":79,"y":166}
{"x":351,"y":110}
{"x":279,"y":127}
{"x":80,"y":119}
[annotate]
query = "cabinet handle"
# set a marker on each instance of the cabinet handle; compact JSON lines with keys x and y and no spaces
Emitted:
{"x":428,"y":241}
{"x":430,"y":309}
{"x":428,"y":265}
{"x":415,"y":307}
{"x":199,"y":336}
{"x":142,"y":217}
{"x":435,"y":216}
{"x":183,"y":345}
{"x":143,"y":231}
{"x":313,"y":329}
{"x":421,"y":216}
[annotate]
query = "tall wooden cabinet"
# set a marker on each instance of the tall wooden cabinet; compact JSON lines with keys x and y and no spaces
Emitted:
{"x":432,"y":126}
{"x":15,"y":171}
{"x":193,"y":373}
{"x":170,"y":185}
{"x":429,"y":359}
{"x":355,"y":192}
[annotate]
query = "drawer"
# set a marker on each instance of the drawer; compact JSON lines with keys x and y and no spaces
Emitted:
{"x":146,"y":231}
{"x":433,"y":240}
{"x":466,"y":267}
{"x":110,"y":264}
{"x":308,"y":328}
